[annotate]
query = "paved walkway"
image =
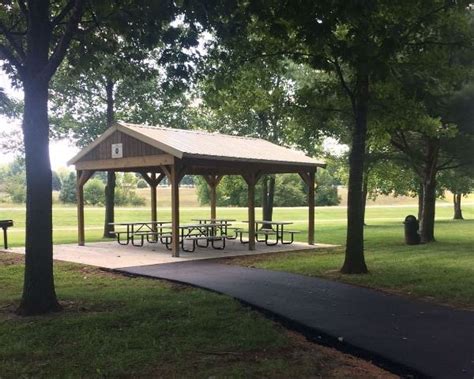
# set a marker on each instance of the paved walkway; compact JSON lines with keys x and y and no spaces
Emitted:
{"x":112,"y":255}
{"x":407,"y":335}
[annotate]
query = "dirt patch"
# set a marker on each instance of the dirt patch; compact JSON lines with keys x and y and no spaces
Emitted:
{"x":300,"y":358}
{"x":8,"y":259}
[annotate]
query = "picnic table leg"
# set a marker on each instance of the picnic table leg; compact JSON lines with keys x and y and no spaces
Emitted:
{"x":5,"y":238}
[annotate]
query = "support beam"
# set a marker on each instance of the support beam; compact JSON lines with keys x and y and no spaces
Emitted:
{"x":81,"y":179}
{"x":251,"y":180}
{"x":153,"y":180}
{"x":176,"y":173}
{"x":213,"y":181}
{"x":309,"y":179}
{"x":154,"y":212}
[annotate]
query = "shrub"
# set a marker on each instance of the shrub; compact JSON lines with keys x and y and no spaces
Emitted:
{"x":142,"y":184}
{"x":94,"y":192}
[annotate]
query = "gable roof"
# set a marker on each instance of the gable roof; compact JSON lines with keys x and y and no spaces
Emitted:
{"x":201,"y":144}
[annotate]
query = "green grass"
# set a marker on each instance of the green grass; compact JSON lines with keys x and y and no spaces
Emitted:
{"x":330,"y":221}
{"x":442,"y":271}
{"x":114,"y":326}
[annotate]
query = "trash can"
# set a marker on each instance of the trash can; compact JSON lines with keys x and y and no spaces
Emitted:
{"x":411,"y":230}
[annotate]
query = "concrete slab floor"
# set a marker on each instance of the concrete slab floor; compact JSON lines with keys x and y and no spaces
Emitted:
{"x":112,"y":255}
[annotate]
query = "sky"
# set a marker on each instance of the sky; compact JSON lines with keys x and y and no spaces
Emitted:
{"x":60,"y":151}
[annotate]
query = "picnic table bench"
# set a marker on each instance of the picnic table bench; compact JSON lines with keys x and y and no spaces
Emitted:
{"x":209,"y":231}
{"x":276,"y":229}
{"x":141,"y":229}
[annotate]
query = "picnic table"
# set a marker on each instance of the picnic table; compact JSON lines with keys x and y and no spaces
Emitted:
{"x":151,"y":230}
{"x":223,"y":222}
{"x":207,"y":230}
{"x":274,"y":229}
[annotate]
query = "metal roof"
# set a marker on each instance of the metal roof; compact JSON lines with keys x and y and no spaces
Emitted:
{"x":202,"y":144}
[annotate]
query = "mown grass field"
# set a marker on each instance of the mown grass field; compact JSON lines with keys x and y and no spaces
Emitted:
{"x":121,"y":327}
{"x":442,"y":272}
{"x":115,"y":326}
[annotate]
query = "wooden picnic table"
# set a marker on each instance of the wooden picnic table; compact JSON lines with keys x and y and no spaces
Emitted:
{"x":277,"y":229}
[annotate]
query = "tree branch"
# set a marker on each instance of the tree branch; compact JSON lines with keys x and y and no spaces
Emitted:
{"x":63,"y":44}
{"x":22,"y":6}
{"x":404,"y":148}
{"x":8,"y":55}
{"x":13,"y":43}
{"x":60,"y":16}
{"x":346,"y":87}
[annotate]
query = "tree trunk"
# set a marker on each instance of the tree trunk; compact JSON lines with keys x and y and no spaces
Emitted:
{"x":39,"y":295}
{"x":365,"y":193}
{"x":457,"y":206}
{"x":109,"y":205}
{"x":268,"y":196}
{"x":428,"y":213}
{"x":420,"y":202}
{"x":354,"y":262}
{"x":110,"y":187}
{"x":427,"y":221}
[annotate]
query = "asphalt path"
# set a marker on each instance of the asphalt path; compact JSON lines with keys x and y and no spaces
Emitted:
{"x":409,"y":337}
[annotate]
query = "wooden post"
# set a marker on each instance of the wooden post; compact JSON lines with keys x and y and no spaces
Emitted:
{"x":213,"y":181}
{"x":309,"y":179}
{"x":213,"y":198}
{"x":81,"y":179}
{"x":311,"y":208}
{"x":153,"y":180}
{"x":251,"y":180}
{"x":154,"y":216}
{"x":175,"y":173}
{"x":80,"y":210}
{"x":175,"y":212}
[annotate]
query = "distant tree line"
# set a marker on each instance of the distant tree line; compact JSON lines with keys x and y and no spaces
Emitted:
{"x":290,"y":191}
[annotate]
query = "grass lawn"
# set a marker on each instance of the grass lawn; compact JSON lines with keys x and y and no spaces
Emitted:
{"x":442,"y":272}
{"x":115,"y":326}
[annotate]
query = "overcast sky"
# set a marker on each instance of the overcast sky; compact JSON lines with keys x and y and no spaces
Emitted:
{"x":60,"y":151}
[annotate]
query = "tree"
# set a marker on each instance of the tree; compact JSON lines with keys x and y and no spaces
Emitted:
{"x":56,"y":181}
{"x":459,"y":182}
{"x":68,"y":189}
{"x":358,"y":42}
{"x":432,"y":84}
{"x":34,"y":39}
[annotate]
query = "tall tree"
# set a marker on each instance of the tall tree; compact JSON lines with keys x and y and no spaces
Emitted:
{"x":34,"y":39}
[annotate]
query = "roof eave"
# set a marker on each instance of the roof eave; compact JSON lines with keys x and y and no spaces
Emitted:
{"x":237,"y":159}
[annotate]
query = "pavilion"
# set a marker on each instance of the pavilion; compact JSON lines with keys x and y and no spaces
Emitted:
{"x":158,"y":152}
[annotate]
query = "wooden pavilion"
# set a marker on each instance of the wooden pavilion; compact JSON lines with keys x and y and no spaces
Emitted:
{"x":158,"y":152}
